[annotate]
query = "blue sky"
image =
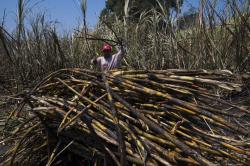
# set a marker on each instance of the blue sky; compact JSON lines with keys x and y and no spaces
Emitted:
{"x":66,"y":12}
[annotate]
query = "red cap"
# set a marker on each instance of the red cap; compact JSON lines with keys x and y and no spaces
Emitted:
{"x":106,"y":48}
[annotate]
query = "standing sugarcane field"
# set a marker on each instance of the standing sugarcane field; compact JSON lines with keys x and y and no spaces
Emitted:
{"x":124,"y":83}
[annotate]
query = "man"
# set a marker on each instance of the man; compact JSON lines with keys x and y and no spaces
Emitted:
{"x":108,"y":61}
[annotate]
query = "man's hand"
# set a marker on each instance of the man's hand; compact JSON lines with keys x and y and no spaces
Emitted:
{"x":121,"y":47}
{"x":94,"y":61}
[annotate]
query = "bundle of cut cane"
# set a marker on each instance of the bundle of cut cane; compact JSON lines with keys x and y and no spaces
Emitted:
{"x":171,"y":117}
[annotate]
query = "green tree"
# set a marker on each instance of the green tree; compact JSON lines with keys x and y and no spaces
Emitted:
{"x":116,"y":7}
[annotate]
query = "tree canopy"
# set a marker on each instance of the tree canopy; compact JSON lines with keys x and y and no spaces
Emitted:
{"x":116,"y":7}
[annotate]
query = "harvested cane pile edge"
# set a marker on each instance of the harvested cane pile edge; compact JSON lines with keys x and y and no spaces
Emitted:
{"x":170,"y":117}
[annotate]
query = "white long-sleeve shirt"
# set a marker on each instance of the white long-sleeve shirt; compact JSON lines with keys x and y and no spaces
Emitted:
{"x":110,"y":63}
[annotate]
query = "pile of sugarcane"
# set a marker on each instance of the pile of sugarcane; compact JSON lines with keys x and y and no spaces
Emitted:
{"x":170,"y":117}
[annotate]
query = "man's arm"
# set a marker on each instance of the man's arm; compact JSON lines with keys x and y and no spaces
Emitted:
{"x":120,"y":51}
